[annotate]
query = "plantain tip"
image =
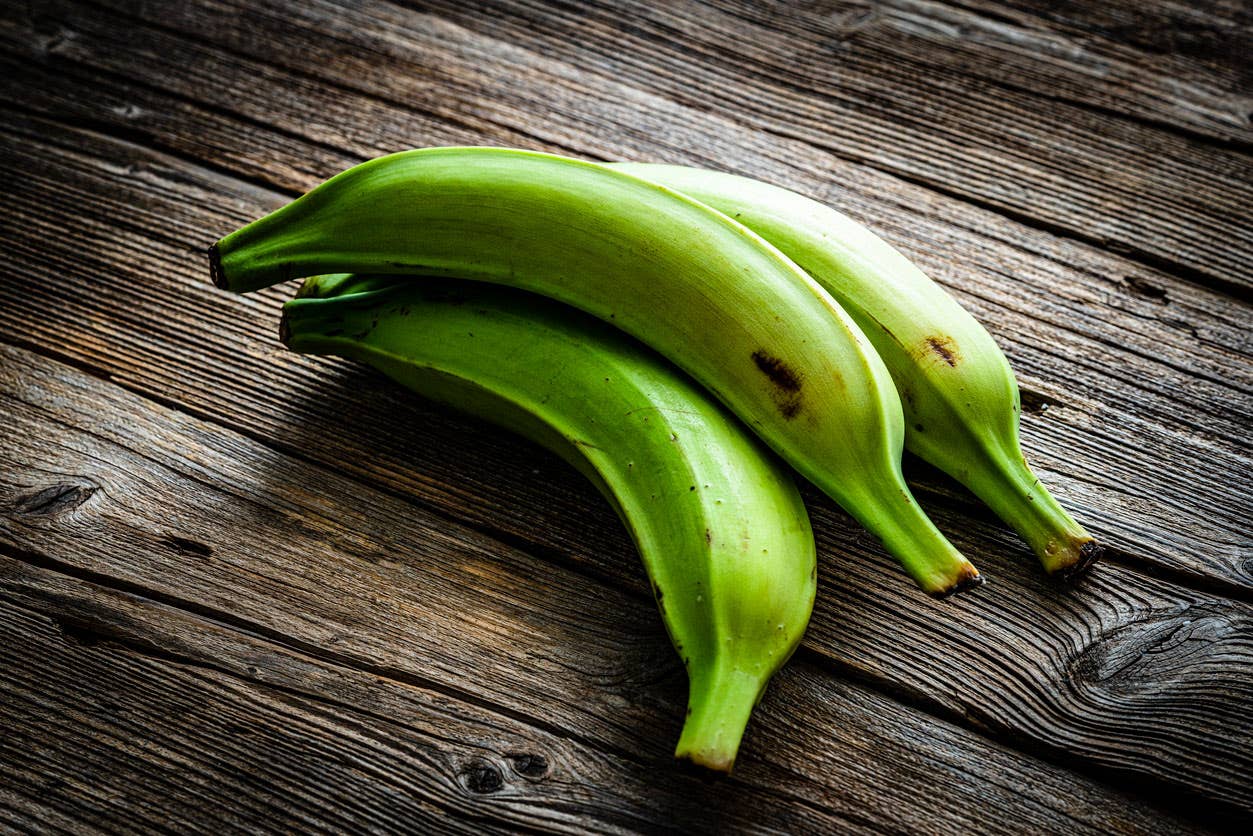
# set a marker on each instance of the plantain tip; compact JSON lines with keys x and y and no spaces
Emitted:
{"x":284,"y":329}
{"x":216,"y":273}
{"x":703,"y":767}
{"x":1089,"y":553}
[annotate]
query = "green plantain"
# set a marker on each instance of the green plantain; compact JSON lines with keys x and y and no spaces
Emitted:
{"x":716,"y":517}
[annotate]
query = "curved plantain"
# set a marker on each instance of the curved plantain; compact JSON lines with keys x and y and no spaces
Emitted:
{"x":716,"y":517}
{"x":959,"y":394}
{"x":688,"y":281}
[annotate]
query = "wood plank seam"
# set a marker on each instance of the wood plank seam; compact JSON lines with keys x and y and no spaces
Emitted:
{"x":1182,"y":129}
{"x":1196,"y":276}
{"x":87,"y":634}
{"x":355,"y":711}
{"x":959,"y":501}
{"x":598,"y":47}
{"x":326,"y":82}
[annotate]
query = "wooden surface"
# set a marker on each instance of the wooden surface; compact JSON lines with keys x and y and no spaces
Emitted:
{"x":242,"y":590}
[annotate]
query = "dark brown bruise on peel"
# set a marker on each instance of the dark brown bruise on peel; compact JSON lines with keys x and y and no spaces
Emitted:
{"x":968,"y":579}
{"x":787,"y":383}
{"x":944,"y":348}
{"x":1089,"y":553}
{"x":779,"y":373}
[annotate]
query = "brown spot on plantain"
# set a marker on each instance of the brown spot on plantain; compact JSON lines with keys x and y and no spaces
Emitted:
{"x":944,"y":348}
{"x":786,"y":383}
{"x":780,"y":374}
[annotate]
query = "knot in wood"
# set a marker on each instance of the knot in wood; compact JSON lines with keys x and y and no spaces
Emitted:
{"x":482,"y":777}
{"x":529,"y":765}
{"x":1165,"y":653}
{"x":54,"y":499}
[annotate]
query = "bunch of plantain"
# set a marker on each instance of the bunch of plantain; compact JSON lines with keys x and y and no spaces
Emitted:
{"x":822,"y":340}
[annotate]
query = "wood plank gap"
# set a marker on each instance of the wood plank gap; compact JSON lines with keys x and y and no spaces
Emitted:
{"x":956,"y":500}
{"x":1180,"y":130}
{"x":1118,"y":346}
{"x":1141,"y":257}
{"x":1177,"y":577}
{"x":1178,"y":801}
{"x":143,"y":141}
{"x":87,"y":634}
{"x":959,"y":500}
{"x":90,"y":635}
{"x":500,"y":535}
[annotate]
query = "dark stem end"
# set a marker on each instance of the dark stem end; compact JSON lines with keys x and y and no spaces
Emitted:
{"x":216,"y":273}
{"x":284,"y":329}
{"x":968,"y":579}
{"x":1089,"y":553}
{"x":707,"y":772}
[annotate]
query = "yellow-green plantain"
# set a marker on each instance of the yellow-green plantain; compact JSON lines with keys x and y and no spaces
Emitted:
{"x":959,"y":394}
{"x":701,"y":289}
{"x":716,"y":517}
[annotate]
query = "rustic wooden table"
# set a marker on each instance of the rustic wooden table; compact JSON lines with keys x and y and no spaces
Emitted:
{"x":242,"y":590}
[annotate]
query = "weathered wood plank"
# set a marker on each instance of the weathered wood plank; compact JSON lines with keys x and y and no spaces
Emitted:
{"x":332,"y":657}
{"x":1213,"y":36}
{"x":246,"y":735}
{"x":1025,"y":661}
{"x":1182,"y":67}
{"x":1166,"y":199}
{"x":1138,"y":367}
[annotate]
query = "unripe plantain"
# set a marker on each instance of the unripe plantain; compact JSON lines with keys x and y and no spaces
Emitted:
{"x":959,"y":394}
{"x":717,"y":519}
{"x":688,"y":281}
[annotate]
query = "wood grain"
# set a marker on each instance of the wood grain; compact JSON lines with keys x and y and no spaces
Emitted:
{"x":1134,"y":367}
{"x":1129,"y":676}
{"x":335,"y":658}
{"x":1182,"y":67}
{"x":1169,"y":200}
{"x":281,"y":593}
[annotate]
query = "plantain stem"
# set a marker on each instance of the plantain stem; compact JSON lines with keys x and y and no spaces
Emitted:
{"x":721,"y":700}
{"x":1014,"y":493}
{"x":908,"y":534}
